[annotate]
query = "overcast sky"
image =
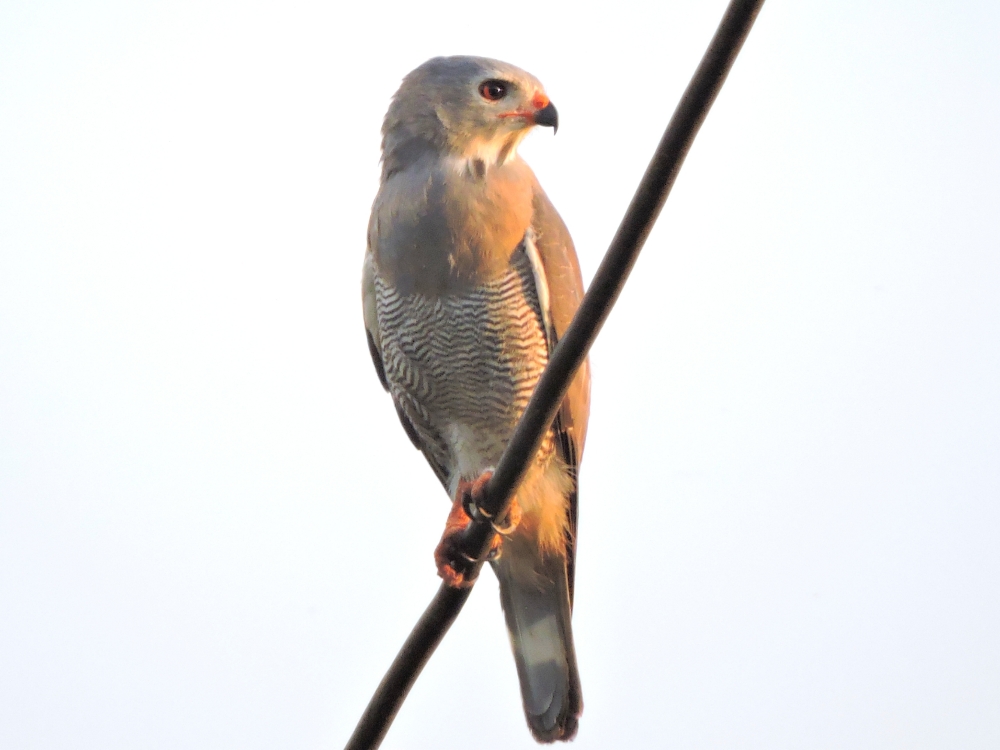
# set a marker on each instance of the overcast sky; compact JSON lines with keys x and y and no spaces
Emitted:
{"x":214,"y":533}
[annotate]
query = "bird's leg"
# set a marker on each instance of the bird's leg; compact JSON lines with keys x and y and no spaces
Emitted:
{"x":453,"y":566}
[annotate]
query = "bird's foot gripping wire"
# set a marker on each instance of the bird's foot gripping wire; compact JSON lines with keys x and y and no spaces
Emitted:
{"x":453,"y":564}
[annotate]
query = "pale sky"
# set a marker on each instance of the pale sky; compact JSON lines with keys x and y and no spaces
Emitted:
{"x":214,"y":533}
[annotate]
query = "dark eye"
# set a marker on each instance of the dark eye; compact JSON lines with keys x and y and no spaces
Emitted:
{"x":493,"y":90}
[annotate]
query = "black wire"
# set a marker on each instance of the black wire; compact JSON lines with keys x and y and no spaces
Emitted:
{"x":568,"y":355}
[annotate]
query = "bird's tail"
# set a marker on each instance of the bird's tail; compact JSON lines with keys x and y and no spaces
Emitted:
{"x":534,"y":592}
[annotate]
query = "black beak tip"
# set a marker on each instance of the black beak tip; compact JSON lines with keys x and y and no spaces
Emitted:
{"x":548,"y":117}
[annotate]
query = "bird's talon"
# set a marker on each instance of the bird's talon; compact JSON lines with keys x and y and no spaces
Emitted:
{"x":509,"y":522}
{"x":473,"y":494}
{"x":456,"y":568}
{"x":472,"y":510}
{"x":503,"y":528}
{"x":454,"y":564}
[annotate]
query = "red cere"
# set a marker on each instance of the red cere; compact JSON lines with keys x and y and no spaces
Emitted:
{"x":540,"y":101}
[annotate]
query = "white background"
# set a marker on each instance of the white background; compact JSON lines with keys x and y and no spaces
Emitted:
{"x":214,"y":533}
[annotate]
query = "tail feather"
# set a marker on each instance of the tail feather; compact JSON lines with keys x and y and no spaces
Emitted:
{"x":537,"y":609}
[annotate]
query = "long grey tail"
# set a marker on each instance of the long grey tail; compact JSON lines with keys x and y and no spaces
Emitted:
{"x":537,"y":609}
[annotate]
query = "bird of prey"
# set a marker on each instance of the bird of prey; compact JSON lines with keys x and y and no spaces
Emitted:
{"x":469,"y":279}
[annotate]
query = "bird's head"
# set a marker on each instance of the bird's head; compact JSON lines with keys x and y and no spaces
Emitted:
{"x":469,"y":108}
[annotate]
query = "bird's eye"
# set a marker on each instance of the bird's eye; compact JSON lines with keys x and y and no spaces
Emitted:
{"x":493,"y":90}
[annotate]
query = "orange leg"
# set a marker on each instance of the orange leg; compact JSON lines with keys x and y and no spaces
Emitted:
{"x":452,"y":566}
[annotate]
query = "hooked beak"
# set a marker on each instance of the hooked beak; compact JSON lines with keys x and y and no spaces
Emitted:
{"x":548,"y":117}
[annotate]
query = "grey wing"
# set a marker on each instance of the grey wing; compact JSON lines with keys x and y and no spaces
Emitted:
{"x":368,"y":301}
{"x":561,"y":274}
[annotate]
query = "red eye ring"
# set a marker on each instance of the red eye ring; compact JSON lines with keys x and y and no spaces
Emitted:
{"x":493,"y":90}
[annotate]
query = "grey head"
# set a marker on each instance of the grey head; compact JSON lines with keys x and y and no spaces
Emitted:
{"x":465,"y":108}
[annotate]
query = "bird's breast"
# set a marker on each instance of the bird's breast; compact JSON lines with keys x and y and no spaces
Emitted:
{"x":435,"y":230}
{"x":463,"y":366}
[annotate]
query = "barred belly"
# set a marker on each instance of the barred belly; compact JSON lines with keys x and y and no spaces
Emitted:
{"x":462,"y":367}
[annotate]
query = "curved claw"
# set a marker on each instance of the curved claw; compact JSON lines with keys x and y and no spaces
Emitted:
{"x":472,"y":495}
{"x":506,"y":525}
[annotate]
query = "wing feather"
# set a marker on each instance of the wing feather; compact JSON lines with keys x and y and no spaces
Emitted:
{"x":368,"y":301}
{"x":561,"y":270}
